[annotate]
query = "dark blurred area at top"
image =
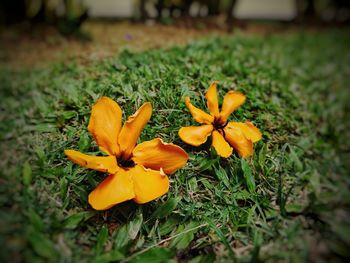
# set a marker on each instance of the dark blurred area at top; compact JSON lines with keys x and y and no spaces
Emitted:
{"x":68,"y":15}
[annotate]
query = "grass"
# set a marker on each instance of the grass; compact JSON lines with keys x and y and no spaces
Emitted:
{"x":290,"y":202}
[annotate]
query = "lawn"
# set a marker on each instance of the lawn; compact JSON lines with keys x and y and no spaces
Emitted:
{"x":289,"y":202}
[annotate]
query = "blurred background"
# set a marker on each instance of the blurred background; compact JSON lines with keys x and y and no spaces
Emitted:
{"x":46,"y":30}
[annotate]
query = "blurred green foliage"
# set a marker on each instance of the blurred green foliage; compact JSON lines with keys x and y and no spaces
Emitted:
{"x":66,"y":15}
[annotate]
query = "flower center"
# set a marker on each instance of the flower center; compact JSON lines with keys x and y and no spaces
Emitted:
{"x":218,"y":125}
{"x":126,"y":163}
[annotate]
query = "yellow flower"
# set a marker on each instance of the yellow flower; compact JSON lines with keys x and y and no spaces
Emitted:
{"x":240,"y":136}
{"x":137,"y":172}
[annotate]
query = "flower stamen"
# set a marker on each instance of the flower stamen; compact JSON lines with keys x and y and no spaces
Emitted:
{"x":126,"y":163}
{"x":217,"y":124}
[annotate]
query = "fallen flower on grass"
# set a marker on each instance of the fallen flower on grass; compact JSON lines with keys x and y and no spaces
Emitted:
{"x":137,"y":172}
{"x":240,"y":136}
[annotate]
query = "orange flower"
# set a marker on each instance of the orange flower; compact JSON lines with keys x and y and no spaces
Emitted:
{"x":240,"y":136}
{"x":137,"y":172}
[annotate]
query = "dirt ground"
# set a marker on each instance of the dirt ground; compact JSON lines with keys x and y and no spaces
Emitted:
{"x":23,"y":46}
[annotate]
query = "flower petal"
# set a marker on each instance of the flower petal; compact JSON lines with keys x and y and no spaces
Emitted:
{"x":237,"y":140}
{"x":249,"y":130}
{"x":105,"y":123}
{"x":221,"y":147}
{"x":197,"y":114}
{"x":232,"y":100}
{"x":107,"y":164}
{"x":116,"y":188}
{"x":212,"y":100}
{"x":132,"y":129}
{"x":148,"y":184}
{"x":156,"y":154}
{"x":195,"y":135}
